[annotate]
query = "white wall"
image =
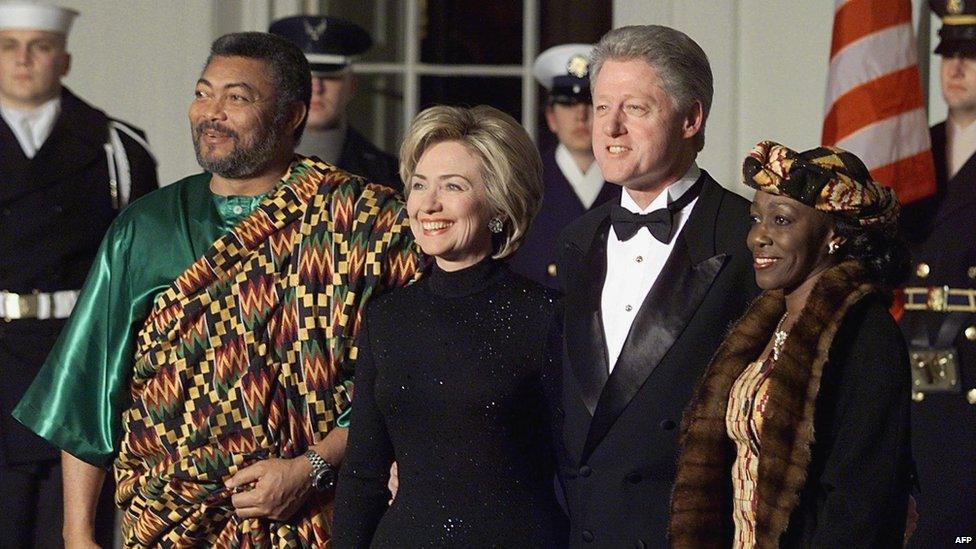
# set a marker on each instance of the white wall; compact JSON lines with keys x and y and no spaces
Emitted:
{"x":769,"y":61}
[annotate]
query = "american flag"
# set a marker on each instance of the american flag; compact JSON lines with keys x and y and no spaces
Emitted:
{"x":874,"y":105}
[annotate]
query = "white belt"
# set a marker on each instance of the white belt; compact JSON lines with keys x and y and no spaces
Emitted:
{"x":39,"y":305}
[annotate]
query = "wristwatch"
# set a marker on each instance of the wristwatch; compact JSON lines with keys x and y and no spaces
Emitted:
{"x":323,"y":475}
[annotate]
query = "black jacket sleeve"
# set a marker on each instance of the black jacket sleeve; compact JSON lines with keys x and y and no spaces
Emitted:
{"x":362,"y":494}
{"x":862,"y":455}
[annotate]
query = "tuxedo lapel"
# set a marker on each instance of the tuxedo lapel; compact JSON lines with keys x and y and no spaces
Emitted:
{"x":585,"y":341}
{"x":666,"y":311}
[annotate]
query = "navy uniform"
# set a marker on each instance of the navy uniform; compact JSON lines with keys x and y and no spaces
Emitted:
{"x":569,"y":192}
{"x":939,"y":323}
{"x":58,"y":195}
{"x":330,"y":44}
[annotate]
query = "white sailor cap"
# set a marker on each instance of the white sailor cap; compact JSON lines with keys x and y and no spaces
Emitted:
{"x":37,"y":16}
{"x":565,"y":71}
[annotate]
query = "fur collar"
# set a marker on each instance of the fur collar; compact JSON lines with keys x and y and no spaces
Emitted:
{"x":701,"y":503}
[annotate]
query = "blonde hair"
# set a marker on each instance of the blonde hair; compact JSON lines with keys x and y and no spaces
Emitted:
{"x":510,"y":163}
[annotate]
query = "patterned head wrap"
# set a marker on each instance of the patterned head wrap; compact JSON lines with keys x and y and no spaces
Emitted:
{"x":829,"y":179}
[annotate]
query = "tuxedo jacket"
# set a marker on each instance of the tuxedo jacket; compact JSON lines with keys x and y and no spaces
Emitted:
{"x":616,"y":435}
{"x":536,"y":256}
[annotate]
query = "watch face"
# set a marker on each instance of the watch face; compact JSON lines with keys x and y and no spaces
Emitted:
{"x":325,"y":480}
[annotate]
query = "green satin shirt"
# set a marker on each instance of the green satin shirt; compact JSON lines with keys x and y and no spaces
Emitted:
{"x":77,"y":400}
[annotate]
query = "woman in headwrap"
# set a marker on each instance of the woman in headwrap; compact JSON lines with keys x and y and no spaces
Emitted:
{"x":798,"y":433}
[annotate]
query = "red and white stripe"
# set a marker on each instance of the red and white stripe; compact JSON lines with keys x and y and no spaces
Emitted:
{"x":874,"y":104}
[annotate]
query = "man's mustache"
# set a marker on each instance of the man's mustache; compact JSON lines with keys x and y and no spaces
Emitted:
{"x":215,"y":126}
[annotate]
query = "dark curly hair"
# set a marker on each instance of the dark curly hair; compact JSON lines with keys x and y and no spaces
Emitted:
{"x":884,"y":254}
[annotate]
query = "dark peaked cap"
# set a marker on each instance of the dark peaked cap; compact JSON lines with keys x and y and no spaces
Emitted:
{"x":329,"y":43}
{"x":958,"y":32}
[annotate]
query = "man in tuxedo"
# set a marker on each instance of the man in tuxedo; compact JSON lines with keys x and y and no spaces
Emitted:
{"x":652,"y":282}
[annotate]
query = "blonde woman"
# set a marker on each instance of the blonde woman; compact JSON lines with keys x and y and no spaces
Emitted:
{"x":449,"y":374}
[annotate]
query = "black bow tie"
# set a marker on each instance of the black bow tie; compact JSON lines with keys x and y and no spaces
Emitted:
{"x":626,"y":223}
{"x":659,"y":222}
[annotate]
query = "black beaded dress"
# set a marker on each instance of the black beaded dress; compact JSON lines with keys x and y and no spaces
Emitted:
{"x":449,"y":383}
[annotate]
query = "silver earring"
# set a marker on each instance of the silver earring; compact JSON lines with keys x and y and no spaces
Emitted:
{"x":832,"y":247}
{"x":495,"y":225}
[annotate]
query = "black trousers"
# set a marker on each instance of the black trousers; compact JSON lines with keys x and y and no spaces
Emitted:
{"x":31,"y":507}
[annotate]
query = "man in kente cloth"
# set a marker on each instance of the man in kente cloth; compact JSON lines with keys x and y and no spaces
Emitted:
{"x":204,"y":354}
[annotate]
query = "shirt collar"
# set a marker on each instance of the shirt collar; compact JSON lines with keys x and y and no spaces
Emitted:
{"x":673,"y":192}
{"x":49,"y":109}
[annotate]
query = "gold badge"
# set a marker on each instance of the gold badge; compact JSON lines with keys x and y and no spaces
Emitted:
{"x":578,"y":66}
{"x":955,"y":7}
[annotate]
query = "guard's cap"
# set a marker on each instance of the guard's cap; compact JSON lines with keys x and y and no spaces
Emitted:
{"x":329,"y":43}
{"x":36,"y":16}
{"x":958,"y":32}
{"x":565,"y":71}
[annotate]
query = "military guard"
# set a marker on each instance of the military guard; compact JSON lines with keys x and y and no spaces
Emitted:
{"x":940,"y":301}
{"x":66,"y":169}
{"x":330,"y":45}
{"x":574,"y":183}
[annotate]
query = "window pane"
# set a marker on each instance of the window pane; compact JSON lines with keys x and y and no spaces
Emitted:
{"x":382,"y":19}
{"x":459,"y":32}
{"x":377,"y":110}
{"x":500,"y":92}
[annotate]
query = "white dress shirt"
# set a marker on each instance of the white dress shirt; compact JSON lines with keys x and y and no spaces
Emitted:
{"x":33,"y":127}
{"x":586,"y":185}
{"x":962,"y":145}
{"x":634,"y":265}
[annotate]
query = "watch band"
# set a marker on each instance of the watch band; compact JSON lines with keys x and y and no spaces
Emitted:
{"x":317,"y":461}
{"x":323,"y":474}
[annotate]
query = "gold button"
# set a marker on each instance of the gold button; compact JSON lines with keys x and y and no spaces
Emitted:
{"x":971,"y":272}
{"x":918,"y":397}
{"x":922,"y":270}
{"x":639,"y":259}
{"x":551,"y":269}
{"x":971,"y":333}
{"x":971,"y":396}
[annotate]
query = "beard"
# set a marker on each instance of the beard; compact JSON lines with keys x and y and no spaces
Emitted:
{"x":244,"y":160}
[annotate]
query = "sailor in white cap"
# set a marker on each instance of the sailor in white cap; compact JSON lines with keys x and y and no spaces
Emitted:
{"x":65,"y":171}
{"x":574,"y":183}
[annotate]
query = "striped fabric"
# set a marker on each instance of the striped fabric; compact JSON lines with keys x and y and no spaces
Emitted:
{"x":874,"y":104}
{"x":743,"y":422}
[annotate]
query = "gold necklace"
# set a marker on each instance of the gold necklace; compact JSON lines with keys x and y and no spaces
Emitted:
{"x":779,"y":337}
